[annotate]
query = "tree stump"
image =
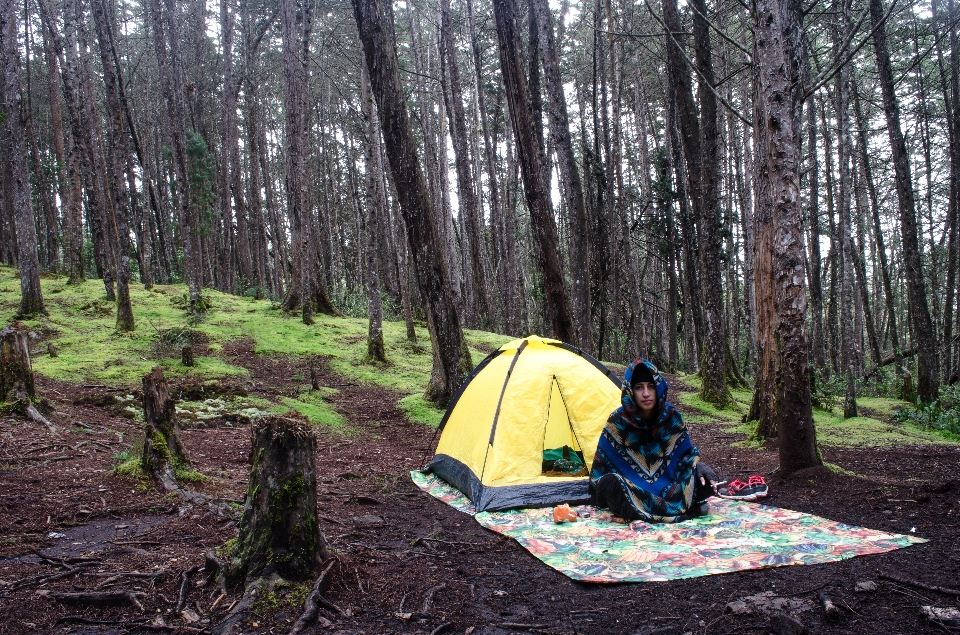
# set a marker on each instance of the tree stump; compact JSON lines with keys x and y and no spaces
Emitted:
{"x":186,"y":355}
{"x":278,"y":530}
{"x":16,"y":372}
{"x":163,"y":449}
{"x":907,"y":392}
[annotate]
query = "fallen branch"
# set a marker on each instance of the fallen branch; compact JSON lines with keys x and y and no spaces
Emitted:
{"x":310,"y":607}
{"x":103,"y":597}
{"x":919,"y":585}
{"x":40,"y":579}
{"x":441,"y":628}
{"x":889,"y":359}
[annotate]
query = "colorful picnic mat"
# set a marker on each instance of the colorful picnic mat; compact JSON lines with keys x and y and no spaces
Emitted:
{"x":735,"y":536}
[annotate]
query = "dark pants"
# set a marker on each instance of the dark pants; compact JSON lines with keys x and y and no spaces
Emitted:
{"x":609,"y":492}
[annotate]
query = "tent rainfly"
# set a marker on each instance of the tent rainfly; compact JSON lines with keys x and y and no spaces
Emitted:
{"x":528,"y":401}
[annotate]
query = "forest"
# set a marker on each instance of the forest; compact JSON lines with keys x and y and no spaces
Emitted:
{"x":761,"y":197}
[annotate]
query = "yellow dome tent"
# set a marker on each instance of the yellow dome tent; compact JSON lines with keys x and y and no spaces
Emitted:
{"x":528,"y":398}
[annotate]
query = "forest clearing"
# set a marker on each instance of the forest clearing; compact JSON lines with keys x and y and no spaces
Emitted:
{"x":446,"y":316}
{"x":78,"y":515}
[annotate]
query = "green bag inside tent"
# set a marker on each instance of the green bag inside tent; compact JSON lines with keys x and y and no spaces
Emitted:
{"x":564,"y":461}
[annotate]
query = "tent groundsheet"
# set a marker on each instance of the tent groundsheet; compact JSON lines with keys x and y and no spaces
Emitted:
{"x":735,"y":536}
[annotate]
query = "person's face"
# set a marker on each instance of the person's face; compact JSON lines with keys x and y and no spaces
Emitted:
{"x":645,"y":394}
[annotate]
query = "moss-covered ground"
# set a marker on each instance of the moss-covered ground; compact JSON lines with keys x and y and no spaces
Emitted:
{"x":874,"y":428}
{"x":81,"y":325}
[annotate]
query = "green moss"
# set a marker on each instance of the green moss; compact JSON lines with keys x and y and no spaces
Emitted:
{"x":834,"y":430}
{"x":226,"y":548}
{"x":418,"y":409}
{"x":130,"y":468}
{"x":836,"y":469}
{"x":284,"y":594}
{"x":190,"y":476}
{"x":315,"y":409}
{"x":733,"y":413}
{"x":89,"y":345}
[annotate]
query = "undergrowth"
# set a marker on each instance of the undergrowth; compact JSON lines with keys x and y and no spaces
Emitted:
{"x":941,"y":415}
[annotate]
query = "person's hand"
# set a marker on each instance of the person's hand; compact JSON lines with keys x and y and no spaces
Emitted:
{"x":706,"y":475}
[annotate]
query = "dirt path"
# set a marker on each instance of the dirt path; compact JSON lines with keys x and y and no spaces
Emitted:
{"x":397,"y":544}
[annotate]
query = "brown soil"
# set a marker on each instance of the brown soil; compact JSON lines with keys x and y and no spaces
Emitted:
{"x":376,"y":521}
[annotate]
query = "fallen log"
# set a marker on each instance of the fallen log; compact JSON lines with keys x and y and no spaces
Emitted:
{"x":889,"y":359}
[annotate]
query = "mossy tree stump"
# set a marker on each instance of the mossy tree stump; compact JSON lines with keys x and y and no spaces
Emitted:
{"x":163,"y":450}
{"x":16,"y":372}
{"x":279,"y":533}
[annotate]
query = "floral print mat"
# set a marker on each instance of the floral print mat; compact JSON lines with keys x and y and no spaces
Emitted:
{"x":735,"y":536}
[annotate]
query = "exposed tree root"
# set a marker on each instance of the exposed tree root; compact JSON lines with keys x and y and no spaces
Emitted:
{"x":315,"y":600}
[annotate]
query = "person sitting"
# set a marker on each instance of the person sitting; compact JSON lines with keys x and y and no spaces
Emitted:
{"x":646,"y":467}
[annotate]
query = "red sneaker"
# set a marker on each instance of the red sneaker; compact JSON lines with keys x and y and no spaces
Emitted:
{"x":754,"y":488}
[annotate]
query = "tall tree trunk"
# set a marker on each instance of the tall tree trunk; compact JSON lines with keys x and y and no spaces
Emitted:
{"x":164,"y":26}
{"x":572,"y":188}
{"x":295,"y":162}
{"x":375,"y":23}
{"x":228,"y":150}
{"x":816,"y":286}
{"x":713,"y":370}
{"x":848,"y":347}
{"x":927,"y":368}
{"x":469,"y":207}
{"x":375,"y":202}
{"x":31,"y":297}
{"x":535,"y":181}
{"x":778,"y":56}
{"x":118,"y":152}
{"x":68,"y":183}
{"x":48,"y":245}
{"x":687,"y":231}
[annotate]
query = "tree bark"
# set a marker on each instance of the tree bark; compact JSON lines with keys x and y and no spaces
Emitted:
{"x":164,"y":27}
{"x":777,"y":56}
{"x":927,"y":368}
{"x":713,"y":370}
{"x":816,"y":286}
{"x":374,"y":206}
{"x":469,"y":208}
{"x":163,"y":450}
{"x":572,"y":187}
{"x":69,"y":187}
{"x":542,"y":224}
{"x":375,"y":24}
{"x":118,"y":151}
{"x":848,"y":346}
{"x":16,"y":371}
{"x":228,"y":151}
{"x":279,"y":531}
{"x":31,"y":296}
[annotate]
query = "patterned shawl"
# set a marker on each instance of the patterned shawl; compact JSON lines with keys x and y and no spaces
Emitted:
{"x":654,"y":458}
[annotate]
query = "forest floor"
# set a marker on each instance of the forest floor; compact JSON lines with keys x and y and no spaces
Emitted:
{"x":70,"y":520}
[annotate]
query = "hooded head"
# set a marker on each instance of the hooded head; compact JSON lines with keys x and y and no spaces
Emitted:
{"x":643,"y":370}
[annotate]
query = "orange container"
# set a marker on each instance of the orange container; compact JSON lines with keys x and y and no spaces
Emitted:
{"x":564,"y":514}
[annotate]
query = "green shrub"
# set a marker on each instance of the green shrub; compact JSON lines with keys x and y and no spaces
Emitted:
{"x":942,"y":414}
